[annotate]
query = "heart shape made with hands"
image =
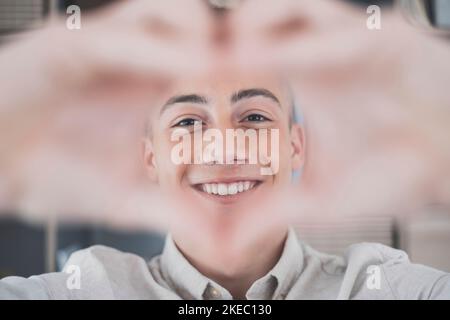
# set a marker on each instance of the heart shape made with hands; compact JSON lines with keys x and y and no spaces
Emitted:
{"x":371,"y":146}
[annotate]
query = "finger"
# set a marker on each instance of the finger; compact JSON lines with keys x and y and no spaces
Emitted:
{"x":190,"y":16}
{"x":75,"y":189}
{"x":267,"y":16}
{"x":141,"y":55}
{"x":320,"y":42}
{"x":84,"y":54}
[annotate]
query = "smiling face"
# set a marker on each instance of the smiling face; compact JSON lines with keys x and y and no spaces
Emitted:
{"x":260,"y":105}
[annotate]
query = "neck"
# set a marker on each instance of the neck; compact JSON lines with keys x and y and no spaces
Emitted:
{"x":236,"y":272}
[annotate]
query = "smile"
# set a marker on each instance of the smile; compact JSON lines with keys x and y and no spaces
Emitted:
{"x":225,"y":189}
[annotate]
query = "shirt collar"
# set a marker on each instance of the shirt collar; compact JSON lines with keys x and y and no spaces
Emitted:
{"x":189,"y":283}
{"x":180,"y":274}
{"x":289,"y":266}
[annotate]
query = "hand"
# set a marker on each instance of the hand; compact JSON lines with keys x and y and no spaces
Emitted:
{"x":375,"y":104}
{"x":74,"y":104}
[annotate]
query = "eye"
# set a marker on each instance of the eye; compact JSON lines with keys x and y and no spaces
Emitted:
{"x":254,"y":117}
{"x":187,"y":122}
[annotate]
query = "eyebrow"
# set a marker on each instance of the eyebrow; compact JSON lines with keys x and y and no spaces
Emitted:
{"x":237,"y":96}
{"x":253,"y":92}
{"x":185,"y":98}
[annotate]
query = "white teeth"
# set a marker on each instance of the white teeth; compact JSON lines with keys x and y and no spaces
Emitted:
{"x":225,"y":189}
{"x":232,"y":188}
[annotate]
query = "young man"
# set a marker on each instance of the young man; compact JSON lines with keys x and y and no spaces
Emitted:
{"x":228,"y":239}
{"x":208,"y":255}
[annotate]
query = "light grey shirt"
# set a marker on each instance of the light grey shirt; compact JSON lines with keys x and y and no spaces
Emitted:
{"x":365,"y":271}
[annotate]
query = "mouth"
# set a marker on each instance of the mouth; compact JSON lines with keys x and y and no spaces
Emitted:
{"x":227,"y":192}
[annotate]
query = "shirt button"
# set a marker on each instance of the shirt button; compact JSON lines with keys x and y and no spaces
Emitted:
{"x":215,"y":293}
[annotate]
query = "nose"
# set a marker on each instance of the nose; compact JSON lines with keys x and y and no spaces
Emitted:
{"x":227,"y":149}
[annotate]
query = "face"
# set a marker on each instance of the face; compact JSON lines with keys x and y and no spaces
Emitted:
{"x":218,"y":176}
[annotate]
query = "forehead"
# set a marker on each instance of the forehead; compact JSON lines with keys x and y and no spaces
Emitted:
{"x":225,"y":84}
{"x":220,"y":87}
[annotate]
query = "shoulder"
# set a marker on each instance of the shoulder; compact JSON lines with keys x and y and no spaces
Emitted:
{"x":355,"y":256}
{"x":369,"y":253}
{"x":397,"y":275}
{"x":97,"y":272}
{"x":103,"y":257}
{"x":373,"y":271}
{"x":109,"y":273}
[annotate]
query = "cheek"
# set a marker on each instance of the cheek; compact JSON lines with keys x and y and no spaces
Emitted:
{"x":285,"y":158}
{"x":169,"y":172}
{"x":171,"y":175}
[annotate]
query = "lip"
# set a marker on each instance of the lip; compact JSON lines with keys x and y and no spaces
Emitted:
{"x":228,"y":199}
{"x":227,"y":180}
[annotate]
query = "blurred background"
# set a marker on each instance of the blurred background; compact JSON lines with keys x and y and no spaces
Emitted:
{"x":27,"y":249}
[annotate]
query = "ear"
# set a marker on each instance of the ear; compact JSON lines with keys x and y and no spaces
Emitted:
{"x":297,"y":146}
{"x":149,"y":159}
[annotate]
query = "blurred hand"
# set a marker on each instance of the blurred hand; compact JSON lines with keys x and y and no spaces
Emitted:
{"x":375,"y":104}
{"x":74,"y":104}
